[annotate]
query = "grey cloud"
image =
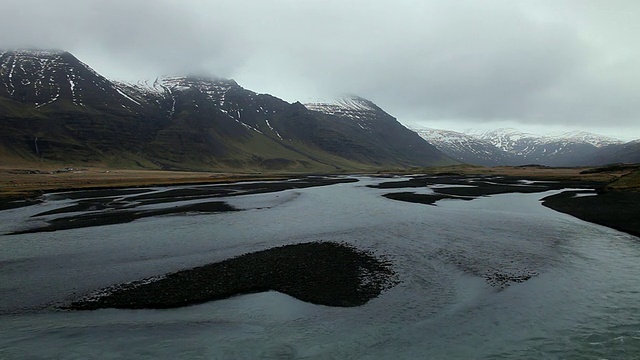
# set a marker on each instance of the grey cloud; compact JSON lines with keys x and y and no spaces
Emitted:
{"x":528,"y":62}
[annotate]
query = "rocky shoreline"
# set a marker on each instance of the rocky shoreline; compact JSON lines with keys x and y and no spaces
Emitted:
{"x":324,"y":273}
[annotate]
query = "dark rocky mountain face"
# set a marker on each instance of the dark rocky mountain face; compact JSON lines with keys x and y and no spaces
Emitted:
{"x":55,"y":108}
{"x":618,"y":153}
{"x":373,"y":135}
{"x":57,"y":80}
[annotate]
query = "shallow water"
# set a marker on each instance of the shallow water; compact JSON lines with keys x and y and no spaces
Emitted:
{"x":585,"y":302}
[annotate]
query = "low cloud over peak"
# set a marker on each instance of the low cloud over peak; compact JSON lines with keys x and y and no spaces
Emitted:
{"x":465,"y":62}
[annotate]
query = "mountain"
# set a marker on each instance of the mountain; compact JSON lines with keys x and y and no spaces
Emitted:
{"x":465,"y":147}
{"x":513,"y":147}
{"x":54,"y":107}
{"x":57,"y":109}
{"x":619,"y":153}
{"x":385,"y":140}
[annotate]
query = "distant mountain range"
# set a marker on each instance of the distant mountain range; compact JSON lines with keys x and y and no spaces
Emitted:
{"x":54,"y":108}
{"x":513,"y":147}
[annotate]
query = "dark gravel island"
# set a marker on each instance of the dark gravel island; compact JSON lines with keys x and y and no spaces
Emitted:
{"x":324,"y":273}
{"x":617,"y":210}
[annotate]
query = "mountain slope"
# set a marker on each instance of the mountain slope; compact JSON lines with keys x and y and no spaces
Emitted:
{"x":382,"y":139}
{"x":55,"y":108}
{"x":618,"y":153}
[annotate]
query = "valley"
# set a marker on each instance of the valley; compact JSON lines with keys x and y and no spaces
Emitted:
{"x":319,"y":180}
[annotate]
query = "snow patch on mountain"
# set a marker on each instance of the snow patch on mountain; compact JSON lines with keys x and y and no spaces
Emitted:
{"x":44,"y":77}
{"x":215,"y":89}
{"x":586,"y":137}
{"x":353,"y":107}
{"x":461,"y":146}
{"x":509,"y":139}
{"x":356,"y":108}
{"x":272,"y":129}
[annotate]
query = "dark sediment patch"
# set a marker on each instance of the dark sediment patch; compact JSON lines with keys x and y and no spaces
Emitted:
{"x":309,"y":181}
{"x":428,"y":199}
{"x":95,"y":193}
{"x":171,"y":195}
{"x":485,"y":183}
{"x":147,"y":197}
{"x":88,"y":205}
{"x":484,"y":189}
{"x":123,"y":216}
{"x":421,"y":181}
{"x":234,"y":189}
{"x":617,"y":210}
{"x":117,"y":206}
{"x":18,"y":202}
{"x":324,"y":273}
{"x":504,"y":279}
{"x":501,"y":271}
{"x":469,"y":188}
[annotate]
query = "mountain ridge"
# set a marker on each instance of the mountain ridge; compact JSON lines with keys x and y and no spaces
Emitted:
{"x":508,"y":146}
{"x":53,"y":107}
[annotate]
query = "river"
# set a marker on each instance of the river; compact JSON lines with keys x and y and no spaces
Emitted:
{"x":584,"y":301}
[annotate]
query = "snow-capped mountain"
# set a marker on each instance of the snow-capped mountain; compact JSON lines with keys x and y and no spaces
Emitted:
{"x":586,"y":137}
{"x":511,"y":141}
{"x":360,"y":110}
{"x":55,"y":108}
{"x":466,"y":148}
{"x":387,"y":134}
{"x":525,"y":144}
{"x":512,"y":147}
{"x":54,"y":79}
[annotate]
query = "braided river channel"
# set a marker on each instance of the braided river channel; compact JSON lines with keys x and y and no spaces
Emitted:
{"x":575,"y":292}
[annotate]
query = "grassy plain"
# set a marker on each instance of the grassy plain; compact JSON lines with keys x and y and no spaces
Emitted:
{"x":24,"y":182}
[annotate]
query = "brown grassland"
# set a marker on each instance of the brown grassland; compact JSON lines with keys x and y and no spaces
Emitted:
{"x":18,"y":183}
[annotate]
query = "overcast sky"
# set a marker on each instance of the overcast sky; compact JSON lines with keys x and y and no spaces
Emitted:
{"x":538,"y":65}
